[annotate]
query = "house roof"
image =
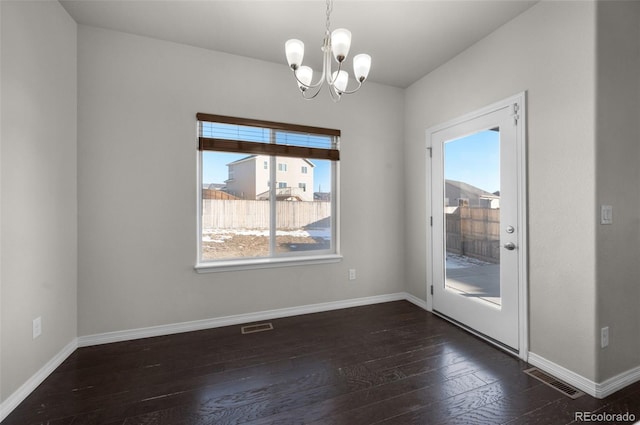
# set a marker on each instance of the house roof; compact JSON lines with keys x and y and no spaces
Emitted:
{"x":213,"y":186}
{"x":457,"y":189}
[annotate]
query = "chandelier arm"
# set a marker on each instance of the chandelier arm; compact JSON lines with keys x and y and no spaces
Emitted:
{"x":334,"y":94}
{"x":308,"y":86}
{"x":305,"y":97}
{"x":354,"y":90}
{"x":327,"y":68}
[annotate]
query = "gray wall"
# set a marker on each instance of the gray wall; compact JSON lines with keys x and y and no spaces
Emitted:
{"x":38,"y":192}
{"x":137,"y":184}
{"x":549,"y":51}
{"x":617,"y":170}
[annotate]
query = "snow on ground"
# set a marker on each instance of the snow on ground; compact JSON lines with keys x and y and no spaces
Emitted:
{"x":221,"y":235}
{"x":455,"y":261}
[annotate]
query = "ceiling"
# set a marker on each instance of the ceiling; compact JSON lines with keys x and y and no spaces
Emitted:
{"x":406,"y":39}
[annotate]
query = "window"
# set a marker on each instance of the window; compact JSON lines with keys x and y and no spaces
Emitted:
{"x":252,"y":223}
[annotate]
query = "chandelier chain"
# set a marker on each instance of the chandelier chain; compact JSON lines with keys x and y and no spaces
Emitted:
{"x":329,"y":10}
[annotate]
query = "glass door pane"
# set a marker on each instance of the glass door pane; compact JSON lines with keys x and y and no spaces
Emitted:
{"x":472,"y":215}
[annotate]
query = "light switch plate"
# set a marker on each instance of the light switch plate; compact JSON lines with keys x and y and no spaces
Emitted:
{"x":606,"y":214}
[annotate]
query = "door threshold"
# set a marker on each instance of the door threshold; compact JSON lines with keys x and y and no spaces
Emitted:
{"x":492,"y":341}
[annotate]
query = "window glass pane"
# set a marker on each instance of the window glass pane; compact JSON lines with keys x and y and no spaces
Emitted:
{"x":235,"y":206}
{"x":303,"y":207}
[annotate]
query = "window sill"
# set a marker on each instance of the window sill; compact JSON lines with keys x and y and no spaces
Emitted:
{"x":265,"y":263}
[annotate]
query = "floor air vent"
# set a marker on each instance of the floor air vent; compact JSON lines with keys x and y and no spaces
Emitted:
{"x":565,"y":389}
{"x":260,"y":327}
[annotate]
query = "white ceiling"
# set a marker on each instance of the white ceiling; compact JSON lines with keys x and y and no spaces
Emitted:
{"x":406,"y":39}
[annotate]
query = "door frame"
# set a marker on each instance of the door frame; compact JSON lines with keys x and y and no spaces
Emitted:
{"x":518,"y":113}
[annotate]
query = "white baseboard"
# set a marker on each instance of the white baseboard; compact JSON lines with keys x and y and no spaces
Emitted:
{"x":416,"y":301}
{"x":32,"y":383}
{"x":580,"y":382}
{"x":594,"y":389}
{"x":196,"y":325}
{"x":618,"y":382}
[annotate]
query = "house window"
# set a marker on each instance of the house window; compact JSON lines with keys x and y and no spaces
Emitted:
{"x":252,"y":223}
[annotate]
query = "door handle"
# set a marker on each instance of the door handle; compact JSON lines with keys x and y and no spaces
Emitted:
{"x":510,"y":246}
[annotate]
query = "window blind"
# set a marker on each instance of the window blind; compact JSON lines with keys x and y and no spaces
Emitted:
{"x":242,"y":135}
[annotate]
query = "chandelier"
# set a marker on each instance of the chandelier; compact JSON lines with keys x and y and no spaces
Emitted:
{"x":336,"y":44}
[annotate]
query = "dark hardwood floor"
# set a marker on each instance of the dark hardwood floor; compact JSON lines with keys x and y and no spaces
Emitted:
{"x":389,"y":363}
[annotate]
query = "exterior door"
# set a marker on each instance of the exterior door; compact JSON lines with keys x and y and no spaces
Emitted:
{"x":478,"y":223}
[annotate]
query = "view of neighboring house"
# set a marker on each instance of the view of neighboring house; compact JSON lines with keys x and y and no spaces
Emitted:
{"x":249,"y":178}
{"x":463,"y":194}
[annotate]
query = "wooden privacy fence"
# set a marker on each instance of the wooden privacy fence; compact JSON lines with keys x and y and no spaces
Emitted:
{"x":243,"y":214}
{"x":474,"y":232}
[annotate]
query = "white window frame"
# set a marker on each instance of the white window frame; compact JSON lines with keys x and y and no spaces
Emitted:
{"x":289,"y":260}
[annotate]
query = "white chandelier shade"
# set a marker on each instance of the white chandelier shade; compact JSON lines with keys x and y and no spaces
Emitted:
{"x":340,"y":43}
{"x":336,"y":44}
{"x":294,"y":49}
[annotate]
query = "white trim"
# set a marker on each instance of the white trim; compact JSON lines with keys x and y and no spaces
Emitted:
{"x":198,"y":229}
{"x":196,"y":325}
{"x":564,"y":374}
{"x":32,"y":383}
{"x":474,"y":114}
{"x":266,"y":263}
{"x":594,"y":389}
{"x":523,"y":212}
{"x":429,"y":222}
{"x":416,"y":301}
{"x":618,"y":382}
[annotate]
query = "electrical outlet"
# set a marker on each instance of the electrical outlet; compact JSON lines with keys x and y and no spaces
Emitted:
{"x":352,"y":274}
{"x":604,"y":337}
{"x":37,"y":327}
